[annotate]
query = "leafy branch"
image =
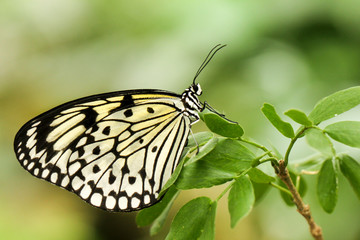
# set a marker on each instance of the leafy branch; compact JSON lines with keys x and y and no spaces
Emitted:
{"x":303,"y":209}
{"x":232,"y":158}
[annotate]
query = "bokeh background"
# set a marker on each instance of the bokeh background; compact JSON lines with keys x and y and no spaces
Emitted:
{"x":288,"y":53}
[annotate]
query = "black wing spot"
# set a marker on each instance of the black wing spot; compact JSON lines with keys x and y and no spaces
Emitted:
{"x":106,"y":130}
{"x":142,"y":173}
{"x":152,"y":182}
{"x":98,"y":190}
{"x":113,"y":193}
{"x":94,"y":128}
{"x":81,"y":151}
{"x":141,"y":140}
{"x":112,"y":178}
{"x":91,"y":183}
{"x":96,"y":150}
{"x":150,"y":110}
{"x":80,"y":175}
{"x":132,"y":180}
{"x":128,"y":113}
{"x":125,"y":170}
{"x":128,"y":101}
{"x":154,"y":149}
{"x":96,"y":169}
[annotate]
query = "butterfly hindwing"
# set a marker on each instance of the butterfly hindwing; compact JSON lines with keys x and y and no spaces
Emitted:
{"x":114,"y":150}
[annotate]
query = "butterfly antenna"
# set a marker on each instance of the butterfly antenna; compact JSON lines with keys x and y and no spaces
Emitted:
{"x":208,"y":59}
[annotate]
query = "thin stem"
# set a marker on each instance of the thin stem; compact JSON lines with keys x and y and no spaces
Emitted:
{"x":224,"y":191}
{"x":230,"y":185}
{"x":271,"y":159}
{"x":257,"y":160}
{"x":293,"y":140}
{"x":244,"y":172}
{"x":281,"y":188}
{"x":257,"y":146}
{"x":297,"y":183}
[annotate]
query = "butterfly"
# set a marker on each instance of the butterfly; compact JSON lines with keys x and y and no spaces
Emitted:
{"x":114,"y":150}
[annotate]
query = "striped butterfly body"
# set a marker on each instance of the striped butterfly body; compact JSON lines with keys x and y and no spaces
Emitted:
{"x":114,"y":150}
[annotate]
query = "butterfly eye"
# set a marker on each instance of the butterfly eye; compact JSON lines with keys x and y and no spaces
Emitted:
{"x":197,"y":89}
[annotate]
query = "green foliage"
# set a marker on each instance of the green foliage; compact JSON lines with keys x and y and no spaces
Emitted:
{"x":317,"y":139}
{"x":327,"y":186}
{"x":260,"y":190}
{"x":208,"y":231}
{"x":220,"y":165}
{"x":192,"y":218}
{"x":258,"y":176}
{"x":234,"y":159}
{"x":347,"y":132}
{"x":351,"y":170}
{"x":221,"y":126}
{"x":241,"y":199}
{"x":157,"y":213}
{"x":310,"y":164}
{"x":204,"y":150}
{"x":335,"y":104}
{"x":299,"y":117}
{"x":284,"y":127}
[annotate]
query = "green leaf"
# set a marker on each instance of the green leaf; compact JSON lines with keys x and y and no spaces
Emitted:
{"x":200,"y":137}
{"x":159,"y":222}
{"x":284,"y":127}
{"x":299,"y":117}
{"x":202,"y":175}
{"x":302,"y":188}
{"x":319,"y":141}
{"x":310,"y":164}
{"x":230,"y":155}
{"x":351,"y":170}
{"x":346,"y":132}
{"x":260,"y":189}
{"x":221,"y":126}
{"x":335,"y":104}
{"x":148,"y":215}
{"x":222,"y":164}
{"x":258,"y":176}
{"x":203,"y":150}
{"x":241,"y":199}
{"x":327,"y":186}
{"x":209,"y":229}
{"x":190,"y":221}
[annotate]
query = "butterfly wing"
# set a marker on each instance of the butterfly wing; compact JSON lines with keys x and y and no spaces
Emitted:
{"x":114,"y":150}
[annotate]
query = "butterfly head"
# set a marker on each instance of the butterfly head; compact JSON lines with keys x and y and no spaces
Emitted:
{"x":196,"y":89}
{"x":189,"y":97}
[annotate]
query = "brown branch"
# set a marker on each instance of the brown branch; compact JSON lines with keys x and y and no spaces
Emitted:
{"x":302,"y":208}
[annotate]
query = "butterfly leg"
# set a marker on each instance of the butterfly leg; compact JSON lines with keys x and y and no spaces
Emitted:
{"x":211,"y":109}
{"x":197,"y":145}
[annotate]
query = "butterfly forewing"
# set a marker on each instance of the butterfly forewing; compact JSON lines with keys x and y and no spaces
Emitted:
{"x":114,"y":150}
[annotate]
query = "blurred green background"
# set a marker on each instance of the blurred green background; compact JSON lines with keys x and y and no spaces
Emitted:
{"x":288,"y":53}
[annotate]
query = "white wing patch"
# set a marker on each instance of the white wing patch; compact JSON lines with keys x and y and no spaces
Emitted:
{"x":115,"y":152}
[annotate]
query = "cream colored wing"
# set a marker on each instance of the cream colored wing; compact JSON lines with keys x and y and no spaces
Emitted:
{"x":114,"y":150}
